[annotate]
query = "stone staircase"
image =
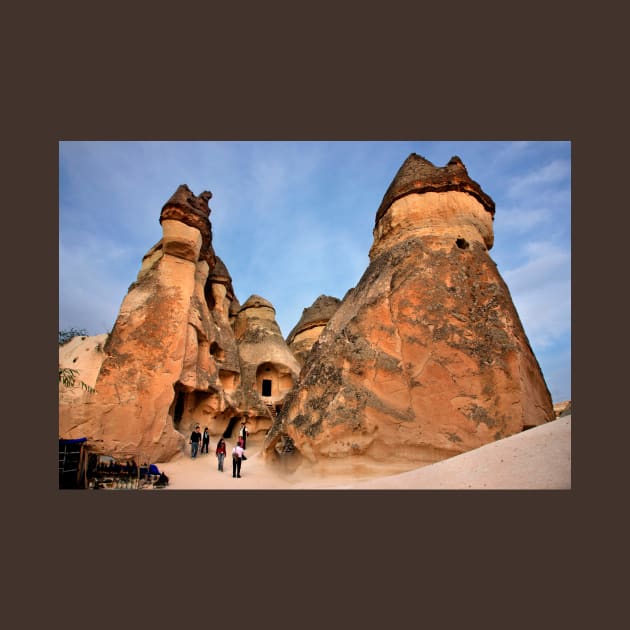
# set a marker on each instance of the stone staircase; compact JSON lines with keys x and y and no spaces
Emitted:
{"x":272,"y":410}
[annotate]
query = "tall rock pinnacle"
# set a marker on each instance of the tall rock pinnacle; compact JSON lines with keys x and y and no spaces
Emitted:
{"x":171,"y":358}
{"x":426,"y":357}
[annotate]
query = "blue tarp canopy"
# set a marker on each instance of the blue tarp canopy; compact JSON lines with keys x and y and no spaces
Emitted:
{"x":75,"y":441}
{"x":152,"y":469}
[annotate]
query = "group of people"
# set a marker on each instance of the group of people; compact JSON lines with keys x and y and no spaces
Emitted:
{"x":197,"y":438}
{"x":238,"y":452}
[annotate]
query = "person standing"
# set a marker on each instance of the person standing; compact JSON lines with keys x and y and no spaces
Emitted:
{"x":243,"y":433}
{"x":221,"y":452}
{"x":195,"y":438}
{"x":237,"y":456}
{"x":205,"y":441}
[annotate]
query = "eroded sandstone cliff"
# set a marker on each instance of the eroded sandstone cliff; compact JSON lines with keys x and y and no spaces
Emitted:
{"x":268,"y":368}
{"x":426,"y":357}
{"x":171,"y":359}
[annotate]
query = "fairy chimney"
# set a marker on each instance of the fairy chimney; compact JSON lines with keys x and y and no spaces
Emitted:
{"x":170,"y":360}
{"x":307,"y":331}
{"x":268,"y":369}
{"x":426,"y":357}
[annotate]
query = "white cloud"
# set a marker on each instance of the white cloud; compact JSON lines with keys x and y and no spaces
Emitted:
{"x":541,"y":292}
{"x":555,"y":172}
{"x":516,"y":219}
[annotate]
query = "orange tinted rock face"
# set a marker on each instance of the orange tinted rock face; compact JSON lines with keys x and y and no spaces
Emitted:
{"x":426,"y":357}
{"x":268,"y":368}
{"x":170,"y":362}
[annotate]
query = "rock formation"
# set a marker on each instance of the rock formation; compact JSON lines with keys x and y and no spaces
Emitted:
{"x":85,"y":355}
{"x":268,"y":368}
{"x":182,"y":351}
{"x":426,"y":357}
{"x":562,"y":409}
{"x":307,"y":331}
{"x":171,"y":359}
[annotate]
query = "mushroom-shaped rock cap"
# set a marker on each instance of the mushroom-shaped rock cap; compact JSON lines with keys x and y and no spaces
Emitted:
{"x":255,"y":301}
{"x":418,"y":175}
{"x":322,"y":309}
{"x":192,"y":210}
{"x":220,"y":273}
{"x":185,"y":199}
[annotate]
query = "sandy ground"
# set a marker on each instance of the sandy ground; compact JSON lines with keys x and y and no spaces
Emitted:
{"x":538,"y":458}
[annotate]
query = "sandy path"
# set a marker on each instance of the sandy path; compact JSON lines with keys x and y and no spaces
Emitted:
{"x":539,"y":458}
{"x":184,"y":472}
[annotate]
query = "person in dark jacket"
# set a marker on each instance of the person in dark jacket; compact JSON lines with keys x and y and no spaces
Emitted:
{"x":242,"y":434}
{"x":162,"y":481}
{"x":205,"y":440}
{"x":195,"y":438}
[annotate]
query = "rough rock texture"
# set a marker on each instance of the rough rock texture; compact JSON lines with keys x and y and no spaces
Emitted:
{"x":307,"y":331}
{"x":418,"y":175}
{"x":193,"y":211}
{"x":426,"y":357}
{"x":170,"y":361}
{"x":85,"y":355}
{"x":562,"y":409}
{"x":268,"y":368}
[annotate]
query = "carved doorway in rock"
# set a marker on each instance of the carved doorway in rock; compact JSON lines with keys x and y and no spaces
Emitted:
{"x":230,"y":427}
{"x":273,"y":381}
{"x":178,"y":409}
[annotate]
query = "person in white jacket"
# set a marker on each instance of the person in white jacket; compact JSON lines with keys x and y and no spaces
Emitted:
{"x":237,"y":457}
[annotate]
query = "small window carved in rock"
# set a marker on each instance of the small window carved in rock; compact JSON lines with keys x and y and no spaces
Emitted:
{"x":266,"y":387}
{"x":462,"y":243}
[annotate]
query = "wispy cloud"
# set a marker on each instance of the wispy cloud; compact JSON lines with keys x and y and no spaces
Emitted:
{"x":539,"y":179}
{"x":541,"y":291}
{"x":522,"y":220}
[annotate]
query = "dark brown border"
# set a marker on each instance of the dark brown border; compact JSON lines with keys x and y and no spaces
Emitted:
{"x":365,"y":74}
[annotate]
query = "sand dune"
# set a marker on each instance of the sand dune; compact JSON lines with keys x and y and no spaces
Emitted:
{"x":539,"y":458}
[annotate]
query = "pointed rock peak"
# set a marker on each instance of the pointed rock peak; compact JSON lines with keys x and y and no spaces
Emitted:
{"x":324,"y":302}
{"x":322,"y":309}
{"x":419,"y":175}
{"x":192,"y":210}
{"x":220,"y":272}
{"x":255,"y":301}
{"x":456,"y":160}
{"x":185,"y":199}
{"x":220,"y":275}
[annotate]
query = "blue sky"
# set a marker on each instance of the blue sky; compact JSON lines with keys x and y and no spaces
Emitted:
{"x":293,"y":220}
